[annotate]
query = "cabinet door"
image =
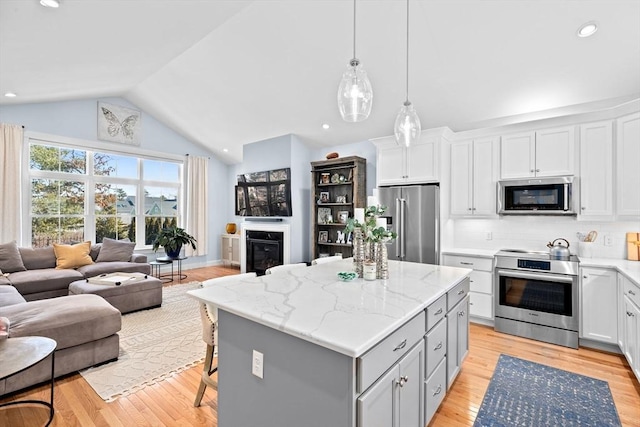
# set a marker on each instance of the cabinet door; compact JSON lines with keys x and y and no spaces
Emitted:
{"x":631,"y":348}
{"x":628,"y":153}
{"x":391,"y":167}
{"x":224,"y":248}
{"x":596,"y":170}
{"x":422,"y":161}
{"x":555,"y":152}
{"x":461,"y":178}
{"x":457,"y":338}
{"x":378,"y":406}
{"x":235,"y":250}
{"x":411,"y":401}
{"x":599,"y":296}
{"x":517,"y":156}
{"x":485,"y":166}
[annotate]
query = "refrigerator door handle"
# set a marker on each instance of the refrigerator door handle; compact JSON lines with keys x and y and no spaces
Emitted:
{"x":398,"y":225}
{"x":403,"y":204}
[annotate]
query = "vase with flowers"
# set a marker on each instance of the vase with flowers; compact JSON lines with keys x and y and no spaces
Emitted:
{"x":369,"y":239}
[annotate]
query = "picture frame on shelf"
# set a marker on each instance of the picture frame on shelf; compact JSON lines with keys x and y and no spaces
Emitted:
{"x":325,"y":216}
{"x":323,"y":236}
{"x":325,"y":178}
{"x":341,"y":199}
{"x":343,"y":216}
{"x":324,"y":197}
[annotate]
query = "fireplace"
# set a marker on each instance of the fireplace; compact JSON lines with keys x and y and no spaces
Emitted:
{"x":265,"y":249}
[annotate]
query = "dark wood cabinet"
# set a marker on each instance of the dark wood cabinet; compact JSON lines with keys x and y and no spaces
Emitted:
{"x":337,"y":187}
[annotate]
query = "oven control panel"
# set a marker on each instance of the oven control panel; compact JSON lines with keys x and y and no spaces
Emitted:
{"x":534,"y":264}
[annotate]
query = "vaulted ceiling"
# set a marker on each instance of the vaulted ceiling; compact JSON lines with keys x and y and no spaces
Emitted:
{"x":228,"y":73}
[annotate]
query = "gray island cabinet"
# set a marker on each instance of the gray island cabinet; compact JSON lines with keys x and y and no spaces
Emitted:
{"x":302,"y":347}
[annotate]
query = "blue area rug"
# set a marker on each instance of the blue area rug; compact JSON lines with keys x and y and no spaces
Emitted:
{"x":523,"y":393}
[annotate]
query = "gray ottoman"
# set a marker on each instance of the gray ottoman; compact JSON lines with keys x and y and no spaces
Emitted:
{"x":126,"y":297}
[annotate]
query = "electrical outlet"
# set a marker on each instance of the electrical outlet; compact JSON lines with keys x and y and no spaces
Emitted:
{"x":608,"y":240}
{"x":257,"y":364}
{"x":489,"y":235}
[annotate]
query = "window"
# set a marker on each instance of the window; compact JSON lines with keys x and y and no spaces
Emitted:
{"x":79,"y":195}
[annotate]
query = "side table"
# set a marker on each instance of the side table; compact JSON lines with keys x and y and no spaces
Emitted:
{"x":178,"y":262}
{"x":155,"y":269}
{"x":21,"y":353}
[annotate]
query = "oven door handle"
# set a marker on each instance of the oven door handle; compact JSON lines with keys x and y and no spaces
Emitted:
{"x":536,"y":276}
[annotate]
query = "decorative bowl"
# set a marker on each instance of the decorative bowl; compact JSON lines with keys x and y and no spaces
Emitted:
{"x":347,"y":276}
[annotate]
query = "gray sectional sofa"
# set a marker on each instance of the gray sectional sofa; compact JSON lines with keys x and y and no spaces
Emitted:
{"x":34,"y":296}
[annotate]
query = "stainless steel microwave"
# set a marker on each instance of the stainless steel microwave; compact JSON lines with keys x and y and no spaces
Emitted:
{"x":536,"y":196}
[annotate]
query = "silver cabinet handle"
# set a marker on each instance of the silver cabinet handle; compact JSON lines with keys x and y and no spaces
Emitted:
{"x":629,"y":314}
{"x":461,"y":291}
{"x":631,"y":292}
{"x":438,"y":390}
{"x":461,"y":314}
{"x":400,"y":346}
{"x":438,"y":347}
{"x":403,"y":380}
{"x":438,"y":312}
{"x":466,"y":263}
{"x":537,"y":170}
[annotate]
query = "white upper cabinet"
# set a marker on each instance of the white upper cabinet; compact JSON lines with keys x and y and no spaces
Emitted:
{"x":548,"y":152}
{"x":474,"y":167}
{"x":596,"y":170}
{"x":416,"y":164}
{"x":628,"y":162}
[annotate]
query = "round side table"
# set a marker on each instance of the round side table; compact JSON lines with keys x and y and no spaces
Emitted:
{"x":21,"y":353}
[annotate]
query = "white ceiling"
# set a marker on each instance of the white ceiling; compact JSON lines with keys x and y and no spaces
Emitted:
{"x":228,"y":73}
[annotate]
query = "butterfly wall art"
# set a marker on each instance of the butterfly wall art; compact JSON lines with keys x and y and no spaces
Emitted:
{"x":118,"y":124}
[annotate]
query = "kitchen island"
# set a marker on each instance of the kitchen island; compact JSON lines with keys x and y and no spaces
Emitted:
{"x":337,"y":353}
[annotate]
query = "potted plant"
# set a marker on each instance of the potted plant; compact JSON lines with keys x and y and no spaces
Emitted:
{"x":172,"y":239}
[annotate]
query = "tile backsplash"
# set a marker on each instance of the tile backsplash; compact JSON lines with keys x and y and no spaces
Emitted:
{"x":534,"y":232}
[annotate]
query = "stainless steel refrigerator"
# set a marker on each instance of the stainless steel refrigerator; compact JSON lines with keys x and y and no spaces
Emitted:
{"x":413,"y":212}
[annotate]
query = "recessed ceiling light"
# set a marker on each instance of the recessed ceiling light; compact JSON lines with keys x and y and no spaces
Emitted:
{"x":10,"y":95}
{"x":325,"y":126}
{"x":226,"y":150}
{"x":50,"y":3}
{"x":587,"y":29}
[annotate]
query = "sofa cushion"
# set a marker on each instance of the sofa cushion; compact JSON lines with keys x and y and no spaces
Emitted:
{"x":9,"y":296}
{"x":115,"y":250}
{"x":48,"y":279}
{"x":99,"y":268}
{"x":10,"y":259}
{"x":70,"y":320}
{"x":72,"y":256}
{"x":37,"y":258}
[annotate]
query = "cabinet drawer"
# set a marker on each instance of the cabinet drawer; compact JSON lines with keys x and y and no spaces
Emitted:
{"x":483,"y":264}
{"x":481,"y":305}
{"x":436,"y":312}
{"x":456,"y":294}
{"x":381,"y":357}
{"x":481,"y":281}
{"x":631,"y":291}
{"x":435,"y":389}
{"x":436,"y":346}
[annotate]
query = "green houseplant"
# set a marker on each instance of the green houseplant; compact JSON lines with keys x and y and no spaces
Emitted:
{"x":172,"y":239}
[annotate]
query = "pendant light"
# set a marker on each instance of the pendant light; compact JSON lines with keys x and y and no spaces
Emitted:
{"x":355,"y":95}
{"x":407,"y":126}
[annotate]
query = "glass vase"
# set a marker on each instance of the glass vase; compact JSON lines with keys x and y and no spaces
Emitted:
{"x":381,"y":259}
{"x":358,"y":250}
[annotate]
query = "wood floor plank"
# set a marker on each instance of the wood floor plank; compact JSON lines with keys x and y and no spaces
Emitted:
{"x":170,"y":402}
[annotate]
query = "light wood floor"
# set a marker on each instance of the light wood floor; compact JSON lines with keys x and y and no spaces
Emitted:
{"x":170,"y":402}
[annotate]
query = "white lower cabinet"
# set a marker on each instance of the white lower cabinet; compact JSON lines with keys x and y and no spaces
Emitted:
{"x":598,"y":307}
{"x":631,"y":324}
{"x":481,"y":284}
{"x":230,"y":249}
{"x":395,"y":400}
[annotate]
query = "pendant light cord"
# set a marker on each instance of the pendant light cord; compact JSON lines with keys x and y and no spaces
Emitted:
{"x":407,"y":100}
{"x":354,"y":29}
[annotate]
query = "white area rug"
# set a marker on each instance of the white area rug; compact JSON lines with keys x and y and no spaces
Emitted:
{"x":154,"y":344}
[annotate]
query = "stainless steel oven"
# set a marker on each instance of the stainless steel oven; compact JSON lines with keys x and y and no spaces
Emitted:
{"x":536,"y":296}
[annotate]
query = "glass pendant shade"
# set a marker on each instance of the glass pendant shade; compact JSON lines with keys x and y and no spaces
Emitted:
{"x":355,"y":95}
{"x":407,"y":126}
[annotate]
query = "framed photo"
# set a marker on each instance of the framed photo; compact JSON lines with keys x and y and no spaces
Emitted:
{"x":323,"y":236}
{"x":343,"y":216}
{"x":324,"y":197}
{"x":324,"y":216}
{"x":118,"y":124}
{"x":341,"y":199}
{"x":325,"y":178}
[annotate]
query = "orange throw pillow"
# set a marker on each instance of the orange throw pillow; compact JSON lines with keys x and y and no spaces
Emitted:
{"x":72,"y":256}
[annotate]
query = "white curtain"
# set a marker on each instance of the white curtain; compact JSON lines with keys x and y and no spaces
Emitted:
{"x":11,"y":137}
{"x":197,"y":196}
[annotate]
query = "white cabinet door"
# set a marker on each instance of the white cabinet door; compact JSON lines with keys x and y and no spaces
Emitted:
{"x":627,"y":163}
{"x":599,"y":295}
{"x":555,"y":152}
{"x":517,"y":158}
{"x":596,"y":170}
{"x":457,"y":338}
{"x":423,"y":161}
{"x":462,"y":178}
{"x":391,"y":167}
{"x":631,"y":347}
{"x":485,"y":174}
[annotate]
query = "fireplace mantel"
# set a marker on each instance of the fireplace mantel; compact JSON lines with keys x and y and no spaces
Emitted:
{"x":264,"y":226}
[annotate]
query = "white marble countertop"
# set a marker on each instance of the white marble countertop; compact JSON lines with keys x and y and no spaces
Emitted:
{"x":631,"y":269}
{"x":348,"y":317}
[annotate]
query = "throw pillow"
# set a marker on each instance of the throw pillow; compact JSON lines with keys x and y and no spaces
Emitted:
{"x":115,"y":250}
{"x":10,"y":259}
{"x":72,"y":256}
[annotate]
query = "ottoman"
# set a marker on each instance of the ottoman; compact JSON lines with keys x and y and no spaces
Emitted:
{"x":127,"y":296}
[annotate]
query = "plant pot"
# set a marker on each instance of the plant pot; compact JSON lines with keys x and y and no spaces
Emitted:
{"x":173,"y":254}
